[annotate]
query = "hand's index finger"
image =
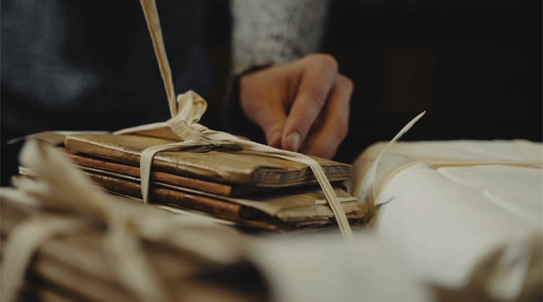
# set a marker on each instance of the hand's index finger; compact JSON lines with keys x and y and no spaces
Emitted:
{"x":320,"y":73}
{"x":323,"y":141}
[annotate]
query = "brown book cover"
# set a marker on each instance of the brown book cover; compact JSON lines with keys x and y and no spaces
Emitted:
{"x":224,"y":165}
{"x":287,"y":206}
{"x":88,"y":163}
{"x":275,"y":210}
{"x":164,"y":195}
{"x":125,"y":171}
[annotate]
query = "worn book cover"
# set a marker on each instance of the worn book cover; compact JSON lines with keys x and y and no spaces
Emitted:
{"x":222,"y":164}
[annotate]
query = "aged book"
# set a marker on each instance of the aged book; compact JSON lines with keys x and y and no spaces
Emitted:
{"x":226,"y":182}
{"x":133,"y":173}
{"x":221,"y":164}
{"x":279,"y":210}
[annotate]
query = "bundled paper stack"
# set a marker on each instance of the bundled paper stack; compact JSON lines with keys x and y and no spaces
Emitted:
{"x":243,"y":187}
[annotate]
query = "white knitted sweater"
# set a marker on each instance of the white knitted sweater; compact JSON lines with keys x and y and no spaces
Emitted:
{"x":268,"y":32}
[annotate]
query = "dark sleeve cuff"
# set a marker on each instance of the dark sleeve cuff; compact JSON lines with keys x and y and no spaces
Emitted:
{"x":233,"y":118}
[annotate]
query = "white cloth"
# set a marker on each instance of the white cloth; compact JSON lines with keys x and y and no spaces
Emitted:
{"x":325,"y":269}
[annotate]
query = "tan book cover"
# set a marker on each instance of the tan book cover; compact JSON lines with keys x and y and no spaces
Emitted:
{"x":131,"y":172}
{"x":293,"y":205}
{"x":220,"y":164}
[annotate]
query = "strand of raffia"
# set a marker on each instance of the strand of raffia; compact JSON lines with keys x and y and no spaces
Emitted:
{"x":60,"y":188}
{"x":366,"y":192}
{"x":22,"y":243}
{"x":186,"y":114}
{"x":68,"y":203}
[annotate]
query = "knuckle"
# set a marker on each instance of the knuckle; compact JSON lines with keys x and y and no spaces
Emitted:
{"x":342,"y":130}
{"x":330,"y":62}
{"x":305,"y":123}
{"x":346,"y":82}
{"x":316,"y":97}
{"x":327,"y":60}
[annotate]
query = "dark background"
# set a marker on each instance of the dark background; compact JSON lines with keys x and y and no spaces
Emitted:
{"x":475,"y":66}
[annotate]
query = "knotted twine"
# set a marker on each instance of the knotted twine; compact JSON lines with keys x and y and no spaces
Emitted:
{"x":185,"y":115}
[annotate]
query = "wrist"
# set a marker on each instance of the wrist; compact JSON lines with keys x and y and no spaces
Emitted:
{"x":234,"y":118}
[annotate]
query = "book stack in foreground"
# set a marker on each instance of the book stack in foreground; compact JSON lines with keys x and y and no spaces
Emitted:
{"x":246,"y":188}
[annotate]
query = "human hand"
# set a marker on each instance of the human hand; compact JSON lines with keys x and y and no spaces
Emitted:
{"x":301,"y":106}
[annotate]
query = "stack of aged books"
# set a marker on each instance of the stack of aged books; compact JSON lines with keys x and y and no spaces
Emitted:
{"x":233,"y":185}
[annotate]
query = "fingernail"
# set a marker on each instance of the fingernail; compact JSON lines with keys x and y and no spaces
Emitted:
{"x":293,"y":141}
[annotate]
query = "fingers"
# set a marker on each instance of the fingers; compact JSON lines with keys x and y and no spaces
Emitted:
{"x":317,"y":78}
{"x":273,"y":128}
{"x":331,"y":126}
{"x":301,"y":105}
{"x":264,"y":108}
{"x":272,"y":120}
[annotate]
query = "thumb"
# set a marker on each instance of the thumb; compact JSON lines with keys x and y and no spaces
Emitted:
{"x":272,"y":121}
{"x":273,"y":128}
